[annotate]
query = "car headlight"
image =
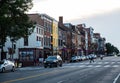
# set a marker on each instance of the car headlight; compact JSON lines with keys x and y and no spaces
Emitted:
{"x":44,"y":61}
{"x":55,"y":61}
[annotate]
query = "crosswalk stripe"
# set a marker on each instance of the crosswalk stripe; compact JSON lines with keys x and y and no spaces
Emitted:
{"x":90,"y":66}
{"x":112,"y":62}
{"x":107,"y":66}
{"x":82,"y":66}
{"x":100,"y":63}
{"x":106,"y":62}
{"x":115,"y":65}
{"x":98,"y":66}
{"x":95,"y":64}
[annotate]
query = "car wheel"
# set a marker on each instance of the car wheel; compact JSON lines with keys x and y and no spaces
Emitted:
{"x":60,"y":65}
{"x":50,"y":66}
{"x":45,"y":66}
{"x":56,"y":65}
{"x":13,"y":69}
{"x":3,"y":69}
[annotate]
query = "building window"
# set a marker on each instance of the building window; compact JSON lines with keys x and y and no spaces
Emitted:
{"x":41,"y":41}
{"x":26,"y":55}
{"x":42,"y":32}
{"x":37,"y":29}
{"x":26,"y":41}
{"x":36,"y":38}
{"x":45,"y":41}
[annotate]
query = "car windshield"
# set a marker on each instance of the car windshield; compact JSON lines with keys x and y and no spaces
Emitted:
{"x":51,"y":57}
{"x":74,"y":57}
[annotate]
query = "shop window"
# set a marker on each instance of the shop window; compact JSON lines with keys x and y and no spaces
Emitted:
{"x":26,"y":55}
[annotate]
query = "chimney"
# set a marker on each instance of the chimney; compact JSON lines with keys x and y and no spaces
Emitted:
{"x":61,"y":19}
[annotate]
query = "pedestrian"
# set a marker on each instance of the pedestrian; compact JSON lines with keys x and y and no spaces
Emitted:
{"x":37,"y":62}
{"x":91,"y":58}
{"x":101,"y":57}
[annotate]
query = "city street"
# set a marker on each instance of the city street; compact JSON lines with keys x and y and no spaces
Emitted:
{"x":100,"y":71}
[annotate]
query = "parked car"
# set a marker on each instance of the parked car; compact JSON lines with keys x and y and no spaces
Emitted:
{"x":74,"y":59}
{"x":79,"y":58}
{"x":83,"y":57}
{"x":6,"y":65}
{"x":52,"y":61}
{"x":94,"y":56}
{"x":87,"y":57}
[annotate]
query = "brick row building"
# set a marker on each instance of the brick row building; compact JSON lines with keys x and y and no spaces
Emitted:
{"x":52,"y":37}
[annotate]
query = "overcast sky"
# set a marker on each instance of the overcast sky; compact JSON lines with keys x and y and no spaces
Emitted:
{"x":102,"y":15}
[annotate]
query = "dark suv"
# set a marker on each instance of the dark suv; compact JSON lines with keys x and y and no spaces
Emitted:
{"x":52,"y":61}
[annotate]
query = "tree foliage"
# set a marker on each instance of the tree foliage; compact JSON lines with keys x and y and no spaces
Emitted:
{"x":14,"y":22}
{"x":110,"y":49}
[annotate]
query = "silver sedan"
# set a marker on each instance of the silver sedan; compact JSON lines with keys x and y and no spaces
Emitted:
{"x":6,"y":65}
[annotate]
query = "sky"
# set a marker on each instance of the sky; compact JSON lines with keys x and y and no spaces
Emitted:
{"x":102,"y":15}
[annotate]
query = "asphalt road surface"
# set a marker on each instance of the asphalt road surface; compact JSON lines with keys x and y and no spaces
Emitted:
{"x":100,"y":71}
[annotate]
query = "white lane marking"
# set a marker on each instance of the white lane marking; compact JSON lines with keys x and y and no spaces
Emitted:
{"x":100,"y":63}
{"x":115,"y":80}
{"x":89,"y":66}
{"x":98,"y":66}
{"x":118,"y":62}
{"x":106,"y":62}
{"x":107,"y":66}
{"x":60,"y":82}
{"x":82,"y":65}
{"x":115,"y":66}
{"x":112,"y":62}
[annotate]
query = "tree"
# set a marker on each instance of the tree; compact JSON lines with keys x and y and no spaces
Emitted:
{"x":116,"y":50}
{"x":14,"y":22}
{"x":111,"y":49}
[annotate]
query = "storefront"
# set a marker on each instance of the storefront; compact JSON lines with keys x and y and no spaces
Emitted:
{"x":27,"y":56}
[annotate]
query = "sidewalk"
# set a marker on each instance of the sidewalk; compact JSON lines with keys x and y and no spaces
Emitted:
{"x":34,"y":67}
{"x":30,"y":68}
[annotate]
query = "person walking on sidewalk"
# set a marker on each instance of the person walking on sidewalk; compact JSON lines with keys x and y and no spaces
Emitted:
{"x":36,"y":62}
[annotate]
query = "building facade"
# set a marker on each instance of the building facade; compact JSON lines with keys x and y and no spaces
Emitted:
{"x":62,"y":39}
{"x":55,"y":37}
{"x":52,"y":37}
{"x":48,"y":24}
{"x":84,"y":39}
{"x":31,"y":48}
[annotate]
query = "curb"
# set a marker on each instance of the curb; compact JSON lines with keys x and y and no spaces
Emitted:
{"x":30,"y":68}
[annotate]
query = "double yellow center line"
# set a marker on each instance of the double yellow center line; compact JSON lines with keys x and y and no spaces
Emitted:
{"x":28,"y":77}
